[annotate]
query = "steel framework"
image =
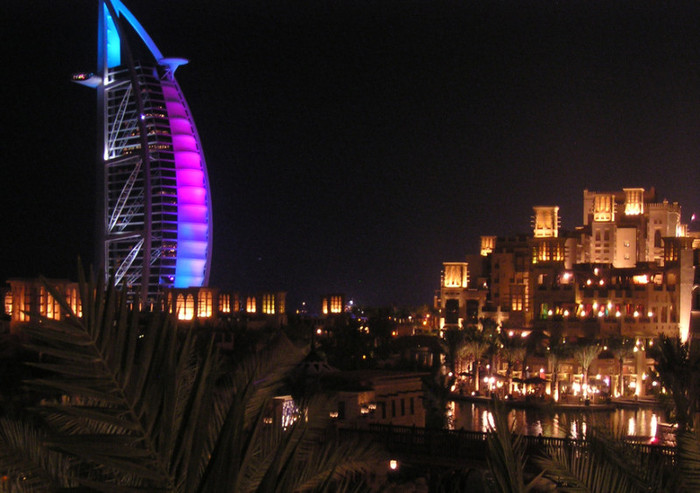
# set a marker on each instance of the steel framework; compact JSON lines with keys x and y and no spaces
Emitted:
{"x":154,"y":203}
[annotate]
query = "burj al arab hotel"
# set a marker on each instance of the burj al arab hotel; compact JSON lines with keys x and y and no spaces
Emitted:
{"x":154,"y":208}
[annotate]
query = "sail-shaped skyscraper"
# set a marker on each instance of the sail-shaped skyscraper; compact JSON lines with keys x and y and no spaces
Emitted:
{"x":154,"y":208}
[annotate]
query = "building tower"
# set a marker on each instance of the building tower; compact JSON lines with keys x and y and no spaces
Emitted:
{"x":154,"y":206}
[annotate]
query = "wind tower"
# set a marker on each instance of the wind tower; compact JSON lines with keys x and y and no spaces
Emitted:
{"x":154,"y":202}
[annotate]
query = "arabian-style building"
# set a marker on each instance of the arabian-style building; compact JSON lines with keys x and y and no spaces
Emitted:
{"x":27,"y":299}
{"x":154,"y":206}
{"x":628,"y":271}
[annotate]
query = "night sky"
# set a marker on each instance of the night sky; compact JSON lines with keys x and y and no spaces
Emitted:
{"x":355,"y":145}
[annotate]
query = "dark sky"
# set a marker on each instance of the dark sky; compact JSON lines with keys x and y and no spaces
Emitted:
{"x":355,"y":145}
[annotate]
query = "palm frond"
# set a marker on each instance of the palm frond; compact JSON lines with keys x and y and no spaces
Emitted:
{"x":125,"y":377}
{"x":602,"y":464}
{"x":28,"y":463}
{"x":688,"y":456}
{"x":140,"y":406}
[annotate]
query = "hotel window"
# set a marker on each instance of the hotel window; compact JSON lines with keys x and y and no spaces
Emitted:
{"x":185,"y":307}
{"x":189,"y":307}
{"x":250,"y":304}
{"x":53,"y":309}
{"x":73,"y":299}
{"x":204,"y":303}
{"x":8,"y":303}
{"x":268,"y":304}
{"x":225,"y":303}
{"x":25,"y":300}
{"x":42,"y":300}
{"x":336,"y":304}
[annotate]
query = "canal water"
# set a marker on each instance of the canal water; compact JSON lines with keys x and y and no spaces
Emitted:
{"x":640,"y":422}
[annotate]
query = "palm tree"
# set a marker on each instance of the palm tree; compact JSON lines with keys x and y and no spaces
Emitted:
{"x":678,"y":369}
{"x":506,"y":455}
{"x":621,"y":348}
{"x":513,"y":351}
{"x":585,"y":354}
{"x":557,"y":353}
{"x":475,"y":347}
{"x":453,"y":343}
{"x":144,"y":408}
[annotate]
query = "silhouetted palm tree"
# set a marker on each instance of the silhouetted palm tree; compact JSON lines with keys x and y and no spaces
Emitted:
{"x":621,"y":348}
{"x":678,"y":369}
{"x":453,"y":343}
{"x":475,"y":347}
{"x":557,"y":353}
{"x":585,"y":353}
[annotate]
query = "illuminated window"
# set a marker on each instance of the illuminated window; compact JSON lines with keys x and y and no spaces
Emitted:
{"x":336,"y":304}
{"x":185,"y":307}
{"x":517,"y":303}
{"x":250,"y":304}
{"x":73,"y":299}
{"x":225,"y":303}
{"x":634,"y":201}
{"x":42,"y":300}
{"x":8,"y":303}
{"x":455,"y":275}
{"x":26,"y":306}
{"x":53,"y":309}
{"x":204,"y":303}
{"x":268,"y":304}
{"x":332,"y":304}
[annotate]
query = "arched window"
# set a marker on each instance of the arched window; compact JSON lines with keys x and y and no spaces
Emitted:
{"x":184,"y":307}
{"x":53,"y":309}
{"x":204,"y":303}
{"x":189,"y":307}
{"x":73,"y":299}
{"x":250,"y":305}
{"x":657,"y":239}
{"x":8,"y":303}
{"x":269,"y":304}
{"x":225,"y":303}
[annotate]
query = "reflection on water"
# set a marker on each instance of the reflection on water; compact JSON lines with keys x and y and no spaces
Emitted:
{"x":634,"y":422}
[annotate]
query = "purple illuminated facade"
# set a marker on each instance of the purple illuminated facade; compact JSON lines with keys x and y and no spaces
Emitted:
{"x":155,"y":206}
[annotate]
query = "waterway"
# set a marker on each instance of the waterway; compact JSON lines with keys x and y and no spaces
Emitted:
{"x":641,"y":422}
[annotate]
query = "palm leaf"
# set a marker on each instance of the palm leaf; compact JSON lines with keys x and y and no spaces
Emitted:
{"x":28,"y":463}
{"x":602,"y":464}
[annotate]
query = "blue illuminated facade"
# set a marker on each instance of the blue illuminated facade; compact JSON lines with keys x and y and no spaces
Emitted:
{"x":155,"y":206}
